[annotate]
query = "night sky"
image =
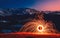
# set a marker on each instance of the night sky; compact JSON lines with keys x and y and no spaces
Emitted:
{"x":19,"y":3}
{"x":36,"y":4}
{"x":16,"y":3}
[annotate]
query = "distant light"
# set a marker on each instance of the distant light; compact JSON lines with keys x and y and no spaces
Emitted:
{"x":4,"y":21}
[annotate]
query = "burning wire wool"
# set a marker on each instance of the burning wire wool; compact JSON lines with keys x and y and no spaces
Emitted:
{"x":38,"y":26}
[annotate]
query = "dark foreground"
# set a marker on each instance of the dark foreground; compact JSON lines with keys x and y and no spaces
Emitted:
{"x":29,"y":35}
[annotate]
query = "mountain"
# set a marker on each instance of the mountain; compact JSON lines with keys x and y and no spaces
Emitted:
{"x":17,"y":11}
{"x":15,"y":18}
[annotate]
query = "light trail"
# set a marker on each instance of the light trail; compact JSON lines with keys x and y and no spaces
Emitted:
{"x":39,"y":26}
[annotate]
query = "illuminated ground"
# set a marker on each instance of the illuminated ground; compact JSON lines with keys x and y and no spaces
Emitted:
{"x":29,"y":35}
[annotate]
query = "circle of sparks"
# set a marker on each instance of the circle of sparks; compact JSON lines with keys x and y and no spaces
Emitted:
{"x":40,"y":28}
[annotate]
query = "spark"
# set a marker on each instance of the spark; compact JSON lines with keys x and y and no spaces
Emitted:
{"x":39,"y":26}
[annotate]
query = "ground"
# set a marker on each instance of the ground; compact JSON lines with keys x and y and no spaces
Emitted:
{"x":29,"y":35}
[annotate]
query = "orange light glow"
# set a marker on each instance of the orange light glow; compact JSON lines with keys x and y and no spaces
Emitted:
{"x":40,"y":28}
{"x":29,"y":35}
